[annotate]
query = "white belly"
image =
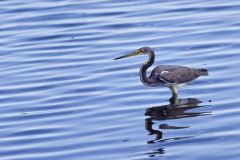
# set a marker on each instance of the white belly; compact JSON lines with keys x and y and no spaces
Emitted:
{"x":174,"y":84}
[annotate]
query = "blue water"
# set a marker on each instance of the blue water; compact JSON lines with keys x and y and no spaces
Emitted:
{"x":62,"y":97}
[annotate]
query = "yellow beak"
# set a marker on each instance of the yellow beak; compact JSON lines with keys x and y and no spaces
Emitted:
{"x":129,"y":55}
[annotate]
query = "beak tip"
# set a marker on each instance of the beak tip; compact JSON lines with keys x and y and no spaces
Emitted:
{"x":117,"y":58}
{"x":127,"y":55}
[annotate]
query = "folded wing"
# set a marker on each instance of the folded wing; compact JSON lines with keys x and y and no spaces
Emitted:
{"x":174,"y":74}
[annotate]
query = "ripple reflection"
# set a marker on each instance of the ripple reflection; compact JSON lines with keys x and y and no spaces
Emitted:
{"x":176,"y":109}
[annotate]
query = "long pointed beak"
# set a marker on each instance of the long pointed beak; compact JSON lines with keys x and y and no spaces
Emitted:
{"x":127,"y":55}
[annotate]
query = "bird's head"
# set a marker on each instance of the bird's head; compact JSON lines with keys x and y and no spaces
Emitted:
{"x":140,"y":51}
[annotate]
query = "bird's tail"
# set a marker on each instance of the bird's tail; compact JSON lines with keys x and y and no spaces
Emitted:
{"x":202,"y":72}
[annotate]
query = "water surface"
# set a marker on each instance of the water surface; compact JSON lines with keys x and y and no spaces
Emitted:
{"x":63,"y":97}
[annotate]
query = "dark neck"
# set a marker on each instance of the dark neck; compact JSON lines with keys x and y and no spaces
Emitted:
{"x":148,"y":81}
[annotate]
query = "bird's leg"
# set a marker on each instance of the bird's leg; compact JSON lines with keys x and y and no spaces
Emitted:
{"x":174,"y":90}
{"x":174,"y":97}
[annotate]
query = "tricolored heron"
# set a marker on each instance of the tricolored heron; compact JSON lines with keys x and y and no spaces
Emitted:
{"x":170,"y":76}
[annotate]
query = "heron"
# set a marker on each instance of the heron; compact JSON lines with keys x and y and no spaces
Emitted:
{"x":171,"y":76}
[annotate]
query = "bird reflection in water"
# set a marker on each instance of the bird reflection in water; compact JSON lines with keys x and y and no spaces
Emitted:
{"x":177,"y":109}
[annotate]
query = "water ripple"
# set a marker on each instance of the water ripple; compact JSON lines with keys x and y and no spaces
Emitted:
{"x":63,"y":97}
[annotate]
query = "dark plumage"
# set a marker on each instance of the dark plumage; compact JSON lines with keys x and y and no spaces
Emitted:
{"x":176,"y":74}
{"x":171,"y":76}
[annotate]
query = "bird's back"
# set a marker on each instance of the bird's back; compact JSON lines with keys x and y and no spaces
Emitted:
{"x":176,"y":74}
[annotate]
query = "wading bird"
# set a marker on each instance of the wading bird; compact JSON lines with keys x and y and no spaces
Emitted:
{"x":170,"y":76}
